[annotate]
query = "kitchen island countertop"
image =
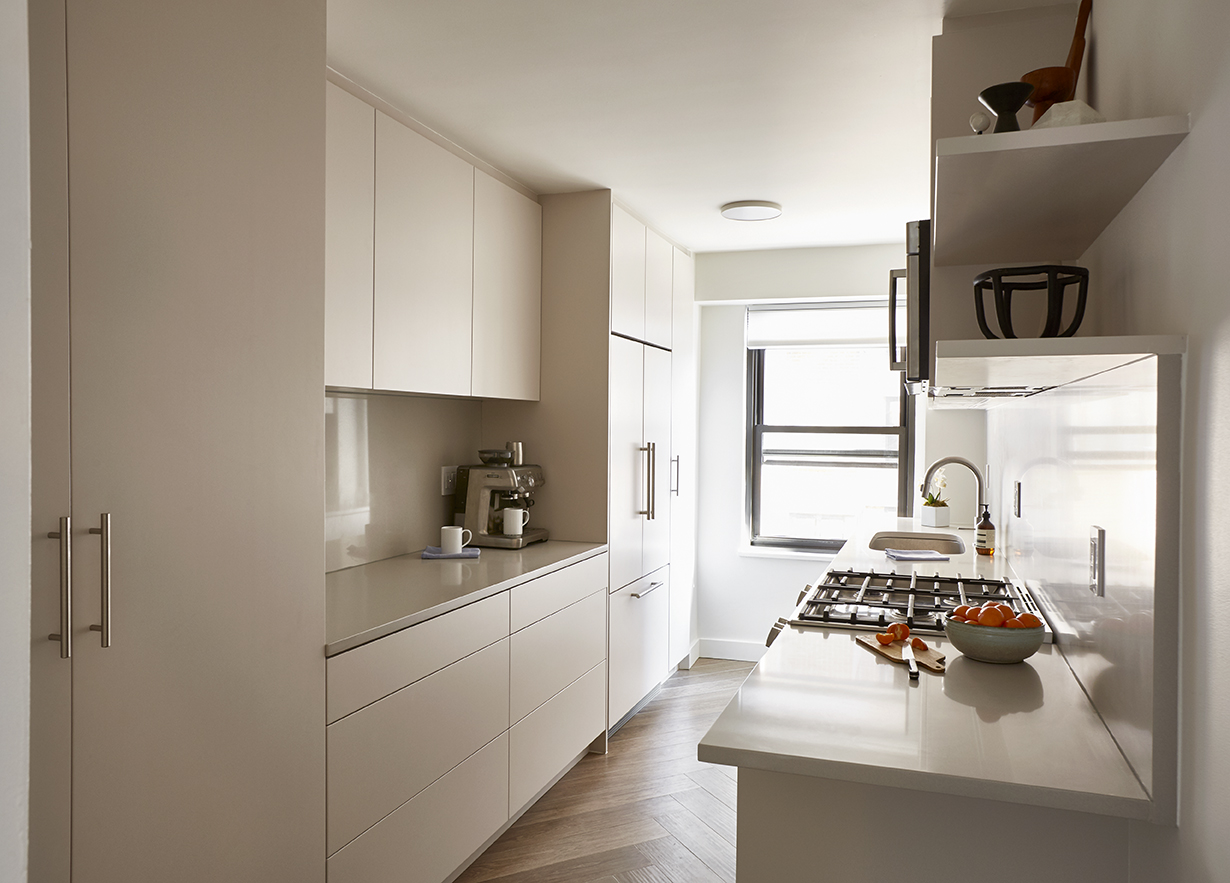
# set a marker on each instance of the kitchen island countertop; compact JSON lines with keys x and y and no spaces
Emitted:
{"x":819,"y":704}
{"x":373,"y":600}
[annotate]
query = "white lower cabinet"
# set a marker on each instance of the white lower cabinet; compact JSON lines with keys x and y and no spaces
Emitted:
{"x":384,"y":754}
{"x":427,"y":838}
{"x":542,"y":744}
{"x":639,"y":641}
{"x":423,"y":766}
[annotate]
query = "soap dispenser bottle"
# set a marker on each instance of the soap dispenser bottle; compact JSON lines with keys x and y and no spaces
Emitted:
{"x":984,"y":537}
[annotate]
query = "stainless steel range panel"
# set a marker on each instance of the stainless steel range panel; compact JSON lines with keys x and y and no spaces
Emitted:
{"x":872,"y":601}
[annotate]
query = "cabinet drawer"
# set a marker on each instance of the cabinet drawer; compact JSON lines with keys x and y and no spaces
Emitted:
{"x":553,"y":652}
{"x":546,"y":740}
{"x":639,"y":641}
{"x":541,"y":597}
{"x":426,"y":839}
{"x":381,"y":756}
{"x":363,"y":675}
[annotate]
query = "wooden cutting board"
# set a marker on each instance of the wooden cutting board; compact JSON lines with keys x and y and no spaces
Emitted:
{"x":930,"y":659}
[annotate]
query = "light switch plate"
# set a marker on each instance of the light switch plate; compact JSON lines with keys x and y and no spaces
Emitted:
{"x":1097,"y":561}
{"x":448,"y":480}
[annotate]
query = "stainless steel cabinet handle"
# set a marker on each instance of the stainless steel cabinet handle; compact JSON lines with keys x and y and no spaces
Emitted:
{"x":653,"y":480}
{"x":104,"y":531}
{"x":652,"y":586}
{"x":647,"y":451}
{"x":65,"y":635}
{"x":675,"y":485}
{"x":894,"y":364}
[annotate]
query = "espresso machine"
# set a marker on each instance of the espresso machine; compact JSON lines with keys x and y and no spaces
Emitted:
{"x":485,"y":493}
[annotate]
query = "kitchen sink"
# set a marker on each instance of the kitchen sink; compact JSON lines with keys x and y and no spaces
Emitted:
{"x":945,"y":543}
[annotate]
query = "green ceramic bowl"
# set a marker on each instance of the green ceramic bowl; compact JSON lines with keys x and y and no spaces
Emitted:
{"x":993,"y":643}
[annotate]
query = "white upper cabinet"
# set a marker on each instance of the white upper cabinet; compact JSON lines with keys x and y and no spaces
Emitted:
{"x":424,"y":264}
{"x":507,"y":291}
{"x":627,"y":274}
{"x":659,"y":272}
{"x":350,"y":157}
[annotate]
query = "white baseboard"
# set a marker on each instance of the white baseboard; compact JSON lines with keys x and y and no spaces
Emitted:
{"x":743,"y":651}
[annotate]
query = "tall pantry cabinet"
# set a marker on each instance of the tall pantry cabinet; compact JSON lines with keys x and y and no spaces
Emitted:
{"x":604,"y":426}
{"x":178,"y":319}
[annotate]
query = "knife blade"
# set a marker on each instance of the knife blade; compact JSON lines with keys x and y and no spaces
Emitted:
{"x":907,"y":653}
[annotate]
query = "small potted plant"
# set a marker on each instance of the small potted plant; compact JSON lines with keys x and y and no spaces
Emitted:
{"x":935,"y":507}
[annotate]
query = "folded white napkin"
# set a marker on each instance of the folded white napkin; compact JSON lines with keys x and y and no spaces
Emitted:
{"x":436,"y":552}
{"x":915,"y":555}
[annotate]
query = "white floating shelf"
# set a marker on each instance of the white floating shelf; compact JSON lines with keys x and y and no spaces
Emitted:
{"x":1042,"y":195}
{"x":979,"y":373}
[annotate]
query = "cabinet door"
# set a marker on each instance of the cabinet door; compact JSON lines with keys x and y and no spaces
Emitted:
{"x":628,"y":476}
{"x":627,"y":274}
{"x":424,"y":264}
{"x":656,"y":536}
{"x":197,"y":325}
{"x":350,"y":169}
{"x":638,"y":644}
{"x":507,"y":291}
{"x":683,"y":459}
{"x":659,"y":272}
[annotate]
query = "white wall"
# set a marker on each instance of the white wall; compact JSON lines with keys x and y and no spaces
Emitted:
{"x":1160,"y":268}
{"x":740,"y":594}
{"x":14,"y":439}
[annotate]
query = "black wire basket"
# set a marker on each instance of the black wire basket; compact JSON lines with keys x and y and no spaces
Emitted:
{"x":1006,"y":281}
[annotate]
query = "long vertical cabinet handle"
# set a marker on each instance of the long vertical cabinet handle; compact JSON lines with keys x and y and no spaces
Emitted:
{"x":653,"y":480}
{"x":648,"y":479}
{"x":65,"y":635}
{"x":675,"y":486}
{"x":104,"y":531}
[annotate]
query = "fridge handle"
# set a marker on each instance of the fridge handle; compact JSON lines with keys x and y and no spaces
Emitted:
{"x":894,"y":364}
{"x":647,"y":511}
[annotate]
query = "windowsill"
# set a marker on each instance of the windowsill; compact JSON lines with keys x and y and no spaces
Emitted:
{"x":817,"y":557}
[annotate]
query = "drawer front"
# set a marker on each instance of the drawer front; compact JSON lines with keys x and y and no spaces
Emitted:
{"x":541,"y":597}
{"x":384,"y":754}
{"x":639,"y":643}
{"x":363,"y":675}
{"x":544,"y":742}
{"x":553,"y":652}
{"x":425,"y":840}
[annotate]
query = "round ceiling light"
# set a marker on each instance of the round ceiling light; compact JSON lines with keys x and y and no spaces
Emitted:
{"x":751,"y":210}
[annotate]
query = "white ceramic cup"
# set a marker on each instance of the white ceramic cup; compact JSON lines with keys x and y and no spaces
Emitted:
{"x":515,"y":520}
{"x":452,"y":541}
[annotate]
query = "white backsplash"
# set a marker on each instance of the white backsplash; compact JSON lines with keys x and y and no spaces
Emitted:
{"x":1086,"y":454}
{"x":383,"y":455}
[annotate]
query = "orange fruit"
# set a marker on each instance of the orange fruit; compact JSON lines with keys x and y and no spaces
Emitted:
{"x":918,"y":643}
{"x":962,"y":610}
{"x":1029,"y":621}
{"x":1013,"y":623}
{"x":884,"y":638}
{"x":899,"y":630}
{"x":991,"y":616}
{"x":1006,"y":610}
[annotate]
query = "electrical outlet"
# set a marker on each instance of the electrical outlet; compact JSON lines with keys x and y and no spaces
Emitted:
{"x":448,"y":480}
{"x":1097,"y":561}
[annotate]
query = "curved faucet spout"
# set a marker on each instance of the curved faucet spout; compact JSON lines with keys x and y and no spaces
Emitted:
{"x":960,"y":461}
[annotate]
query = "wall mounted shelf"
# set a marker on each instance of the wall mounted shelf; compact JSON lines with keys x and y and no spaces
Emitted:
{"x":1042,"y":195}
{"x":973,"y":374}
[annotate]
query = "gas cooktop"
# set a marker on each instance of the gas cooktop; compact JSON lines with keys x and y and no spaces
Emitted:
{"x":867,"y":600}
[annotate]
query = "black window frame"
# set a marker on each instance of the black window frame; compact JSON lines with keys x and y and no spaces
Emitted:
{"x":756,"y":429}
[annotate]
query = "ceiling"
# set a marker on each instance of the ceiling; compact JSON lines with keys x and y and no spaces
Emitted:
{"x":678,"y":106}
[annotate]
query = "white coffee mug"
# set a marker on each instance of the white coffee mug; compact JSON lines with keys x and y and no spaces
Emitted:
{"x":515,"y":520}
{"x":451,"y":540}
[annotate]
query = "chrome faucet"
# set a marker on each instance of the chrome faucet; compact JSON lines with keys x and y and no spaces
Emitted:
{"x":961,"y":461}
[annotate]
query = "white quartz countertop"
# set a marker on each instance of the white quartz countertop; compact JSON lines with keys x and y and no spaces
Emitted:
{"x":819,"y":704}
{"x":373,"y":600}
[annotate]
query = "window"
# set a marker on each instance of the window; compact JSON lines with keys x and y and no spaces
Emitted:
{"x":829,"y":426}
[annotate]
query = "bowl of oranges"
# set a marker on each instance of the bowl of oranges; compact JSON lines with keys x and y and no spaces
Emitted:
{"x":994,"y":633}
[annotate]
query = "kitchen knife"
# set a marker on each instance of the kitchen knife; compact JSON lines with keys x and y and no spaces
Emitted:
{"x":907,"y":653}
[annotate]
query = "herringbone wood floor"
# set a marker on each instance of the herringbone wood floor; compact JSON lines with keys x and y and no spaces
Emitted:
{"x":646,"y":812}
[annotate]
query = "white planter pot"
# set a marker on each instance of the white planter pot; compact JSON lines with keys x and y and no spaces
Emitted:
{"x":935,"y":516}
